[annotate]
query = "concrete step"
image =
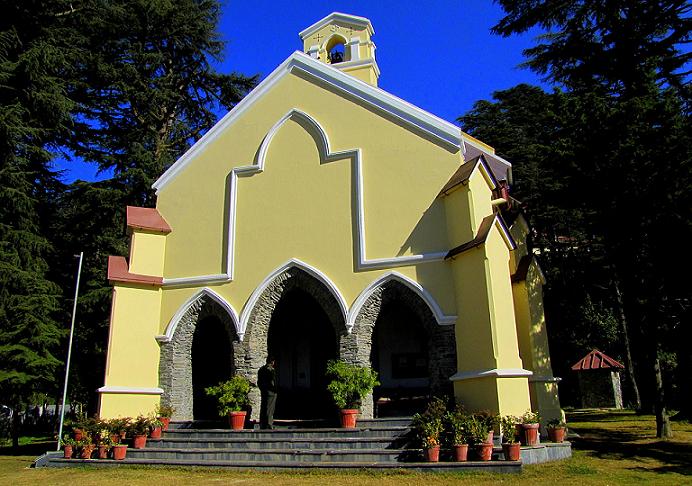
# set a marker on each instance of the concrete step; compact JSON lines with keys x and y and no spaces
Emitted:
{"x":295,"y":424}
{"x":281,"y":434}
{"x":283,"y":443}
{"x":55,"y":460}
{"x":276,"y":455}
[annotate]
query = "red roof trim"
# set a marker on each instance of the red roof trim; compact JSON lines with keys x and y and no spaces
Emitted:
{"x":596,"y":360}
{"x":119,"y":272}
{"x":146,"y":219}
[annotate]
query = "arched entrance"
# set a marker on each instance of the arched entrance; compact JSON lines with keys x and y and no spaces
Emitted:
{"x":299,"y":320}
{"x":202,"y":350}
{"x":302,"y":340}
{"x":396,"y":332}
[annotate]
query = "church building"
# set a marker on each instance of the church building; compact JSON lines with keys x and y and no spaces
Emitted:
{"x":324,"y":218}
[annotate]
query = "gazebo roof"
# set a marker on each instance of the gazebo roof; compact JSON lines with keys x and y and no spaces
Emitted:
{"x":596,"y":360}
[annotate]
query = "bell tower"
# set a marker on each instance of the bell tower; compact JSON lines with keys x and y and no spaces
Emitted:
{"x":344,"y":42}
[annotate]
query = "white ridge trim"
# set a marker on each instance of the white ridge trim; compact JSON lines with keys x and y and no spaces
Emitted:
{"x":130,"y":390}
{"x":292,"y":263}
{"x":322,"y":140}
{"x":173,"y":323}
{"x":415,"y":118}
{"x":495,"y":372}
{"x":346,"y":18}
{"x":441,"y":318}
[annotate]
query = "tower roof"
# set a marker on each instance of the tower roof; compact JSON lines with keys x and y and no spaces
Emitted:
{"x":597,"y":360}
{"x":351,"y":20}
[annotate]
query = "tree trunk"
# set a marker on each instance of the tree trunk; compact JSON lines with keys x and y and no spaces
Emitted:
{"x":663,"y":429}
{"x":16,"y":425}
{"x":629,"y":366}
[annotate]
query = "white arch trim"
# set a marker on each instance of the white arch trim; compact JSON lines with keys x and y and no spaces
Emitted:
{"x":441,"y":318}
{"x":173,"y":323}
{"x":322,"y":140}
{"x":292,"y":263}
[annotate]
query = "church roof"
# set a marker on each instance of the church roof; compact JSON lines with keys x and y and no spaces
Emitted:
{"x":502,"y":169}
{"x":464,"y":172}
{"x":482,"y":235}
{"x":596,"y":360}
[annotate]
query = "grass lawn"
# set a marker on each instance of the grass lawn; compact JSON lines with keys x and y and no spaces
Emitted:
{"x":614,"y":448}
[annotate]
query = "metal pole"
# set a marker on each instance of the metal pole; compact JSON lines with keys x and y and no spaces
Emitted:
{"x":69,"y":350}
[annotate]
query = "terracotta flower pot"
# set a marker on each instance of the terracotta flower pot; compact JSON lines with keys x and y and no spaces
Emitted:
{"x":123,"y":434}
{"x":512,"y":451}
{"x":139,"y":441}
{"x":119,"y":452}
{"x":67,"y":451}
{"x":433,"y":454}
{"x":489,"y":440}
{"x":237,"y":420}
{"x":77,"y":434}
{"x":349,"y":416}
{"x":115,"y":438}
{"x":166,"y":422}
{"x":155,"y":433}
{"x":557,"y":434}
{"x":86,"y":451}
{"x":531,"y":433}
{"x":102,"y":452}
{"x":461,"y":452}
{"x":484,"y":451}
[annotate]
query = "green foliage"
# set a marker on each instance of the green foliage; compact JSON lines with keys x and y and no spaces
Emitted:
{"x":164,"y":411}
{"x":531,"y":417}
{"x":232,"y":395}
{"x":458,"y":426}
{"x":508,"y":425}
{"x":430,"y":424}
{"x":68,"y":440}
{"x":556,"y":424}
{"x":349,"y":383}
{"x":118,"y":425}
{"x":141,"y":425}
{"x":490,"y":419}
{"x":478,"y":430}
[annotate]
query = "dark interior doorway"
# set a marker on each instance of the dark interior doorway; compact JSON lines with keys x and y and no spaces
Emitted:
{"x":400,"y":356}
{"x":212,"y":363}
{"x":302,"y":339}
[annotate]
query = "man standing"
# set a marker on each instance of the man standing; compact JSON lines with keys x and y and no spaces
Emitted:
{"x":266,"y":381}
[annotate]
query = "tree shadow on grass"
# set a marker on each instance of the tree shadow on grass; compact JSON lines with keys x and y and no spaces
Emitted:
{"x":619,"y":444}
{"x":33,"y":449}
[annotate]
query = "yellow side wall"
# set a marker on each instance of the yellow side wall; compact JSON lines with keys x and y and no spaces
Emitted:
{"x":133,"y":353}
{"x":147,"y":253}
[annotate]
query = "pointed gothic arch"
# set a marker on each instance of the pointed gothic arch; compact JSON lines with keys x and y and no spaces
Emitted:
{"x":175,"y":363}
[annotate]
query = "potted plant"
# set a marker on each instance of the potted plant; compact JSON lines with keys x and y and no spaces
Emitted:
{"x":510,"y":444}
{"x":164,"y":414}
{"x":491,"y":420}
{"x":557,"y":428}
{"x":68,"y":444}
{"x":119,"y":451}
{"x":479,"y":430}
{"x":530,"y":424}
{"x":232,"y":397}
{"x":429,"y":426}
{"x":156,"y":427}
{"x":118,"y":428}
{"x":139,"y":429}
{"x":458,"y":433}
{"x":86,"y":447}
{"x":349,"y":385}
{"x":104,"y":445}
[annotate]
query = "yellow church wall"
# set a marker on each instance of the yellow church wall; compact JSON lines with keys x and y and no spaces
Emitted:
{"x":147,"y":251}
{"x":314,"y":203}
{"x":133,"y":353}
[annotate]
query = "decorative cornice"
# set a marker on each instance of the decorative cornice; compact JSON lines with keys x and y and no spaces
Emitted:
{"x":491,"y":373}
{"x":354,"y":20}
{"x":131,"y":390}
{"x":118,"y":272}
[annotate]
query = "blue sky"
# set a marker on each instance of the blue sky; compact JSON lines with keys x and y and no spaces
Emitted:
{"x":438,"y":55}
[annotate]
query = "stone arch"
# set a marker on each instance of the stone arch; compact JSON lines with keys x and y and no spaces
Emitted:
{"x":357,"y":347}
{"x":175,"y":364}
{"x":258,"y":313}
{"x":336,"y":43}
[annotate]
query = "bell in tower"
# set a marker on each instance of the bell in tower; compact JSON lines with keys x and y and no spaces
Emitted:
{"x":344,"y":42}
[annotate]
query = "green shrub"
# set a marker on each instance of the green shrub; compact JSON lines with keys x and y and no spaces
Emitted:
{"x":508,"y":424}
{"x":458,"y":427}
{"x":350,"y":383}
{"x":231,"y":395}
{"x":429,"y":425}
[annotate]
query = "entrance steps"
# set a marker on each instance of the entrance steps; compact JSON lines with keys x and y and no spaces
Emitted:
{"x":375,"y":444}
